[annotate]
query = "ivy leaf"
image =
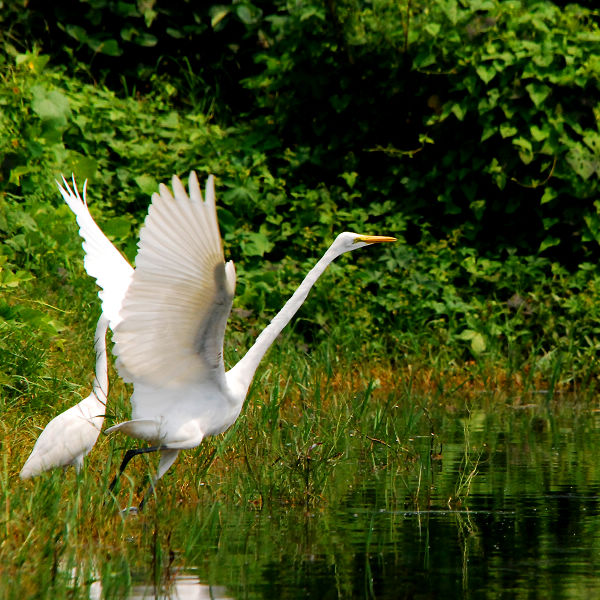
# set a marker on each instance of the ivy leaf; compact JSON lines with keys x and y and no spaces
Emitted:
{"x":478,"y":344}
{"x":147,"y":184}
{"x":548,"y":242}
{"x":217,"y":14}
{"x":486,"y":72}
{"x":538,"y":92}
{"x":450,"y":9}
{"x":34,"y":62}
{"x":174,"y":33}
{"x":171,"y":120}
{"x":583,"y":162}
{"x":84,"y":167}
{"x":77,"y":33}
{"x":117,"y":228}
{"x":255,"y":244}
{"x":248,"y":13}
{"x":109,"y":47}
{"x":539,"y":135}
{"x":477,"y":340}
{"x":350,"y":178}
{"x":507,"y":130}
{"x":147,"y":40}
{"x":11,"y":279}
{"x":548,"y":195}
{"x":424,"y":59}
{"x":433,"y":29}
{"x":50,"y":105}
{"x":459,"y":112}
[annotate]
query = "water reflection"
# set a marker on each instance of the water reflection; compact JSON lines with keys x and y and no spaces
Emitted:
{"x":524,"y":526}
{"x":496,"y":506}
{"x":182,"y":587}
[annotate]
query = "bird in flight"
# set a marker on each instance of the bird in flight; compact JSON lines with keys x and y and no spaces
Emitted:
{"x":70,"y":436}
{"x":168,"y":317}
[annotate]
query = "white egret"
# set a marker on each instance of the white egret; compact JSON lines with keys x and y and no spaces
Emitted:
{"x":168,"y":317}
{"x":70,"y":436}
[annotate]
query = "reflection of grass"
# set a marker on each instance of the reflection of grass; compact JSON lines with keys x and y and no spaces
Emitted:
{"x":467,"y":469}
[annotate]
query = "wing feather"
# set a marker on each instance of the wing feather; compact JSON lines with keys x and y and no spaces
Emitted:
{"x":175,"y":310}
{"x":102,"y":260}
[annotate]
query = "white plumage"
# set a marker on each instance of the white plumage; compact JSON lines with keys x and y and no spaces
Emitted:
{"x":102,"y":260}
{"x":168,"y":317}
{"x":175,"y":310}
{"x":70,"y":436}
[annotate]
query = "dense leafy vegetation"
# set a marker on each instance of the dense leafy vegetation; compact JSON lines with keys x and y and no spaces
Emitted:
{"x":384,"y":90}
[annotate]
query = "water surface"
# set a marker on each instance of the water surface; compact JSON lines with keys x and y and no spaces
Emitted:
{"x":489,"y":506}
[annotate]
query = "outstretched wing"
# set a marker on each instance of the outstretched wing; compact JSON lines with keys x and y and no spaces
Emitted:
{"x":102,"y":260}
{"x":175,"y":310}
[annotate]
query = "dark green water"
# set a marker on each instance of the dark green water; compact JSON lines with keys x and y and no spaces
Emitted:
{"x":493,"y":506}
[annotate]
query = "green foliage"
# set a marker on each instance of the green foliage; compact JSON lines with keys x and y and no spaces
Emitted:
{"x":455,"y":305}
{"x":355,"y":113}
{"x":381,"y":89}
{"x":466,"y":128}
{"x":479,"y":115}
{"x":524,"y":81}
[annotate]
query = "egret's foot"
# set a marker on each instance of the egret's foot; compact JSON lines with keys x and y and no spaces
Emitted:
{"x":131,"y":511}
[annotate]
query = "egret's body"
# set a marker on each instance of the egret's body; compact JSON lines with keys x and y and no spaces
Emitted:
{"x":168,"y":317}
{"x":179,"y":418}
{"x":70,"y":436}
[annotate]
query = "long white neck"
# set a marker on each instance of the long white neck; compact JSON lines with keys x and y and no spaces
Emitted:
{"x":242,"y":373}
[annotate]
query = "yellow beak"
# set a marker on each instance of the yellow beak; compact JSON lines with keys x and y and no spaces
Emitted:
{"x":374,"y":239}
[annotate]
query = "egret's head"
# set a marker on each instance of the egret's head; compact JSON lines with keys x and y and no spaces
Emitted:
{"x":350,"y":241}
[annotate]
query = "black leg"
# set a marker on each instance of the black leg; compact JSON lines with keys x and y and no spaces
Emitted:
{"x":128,"y":456}
{"x":167,"y":458}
